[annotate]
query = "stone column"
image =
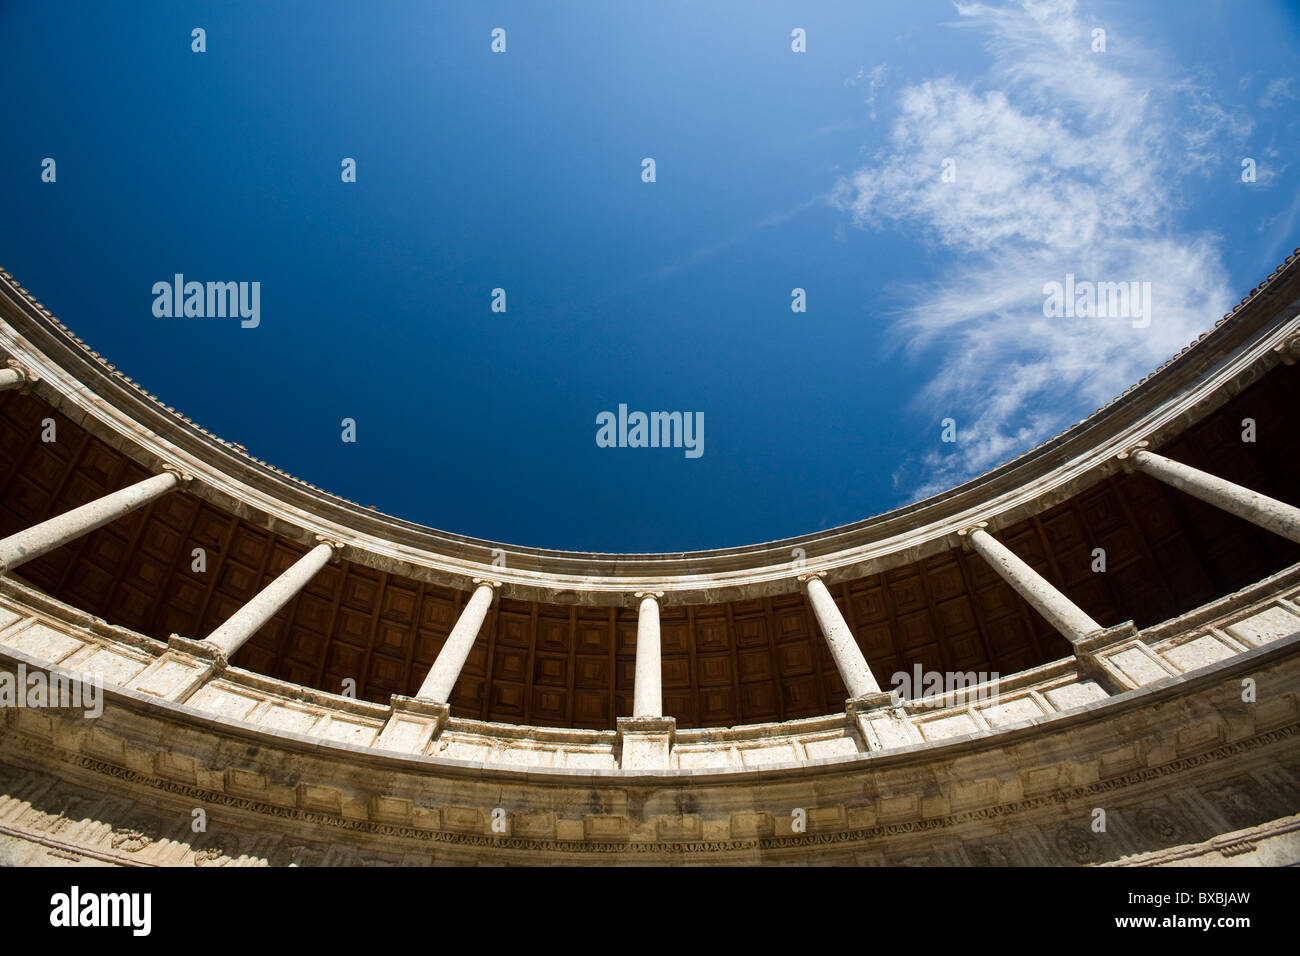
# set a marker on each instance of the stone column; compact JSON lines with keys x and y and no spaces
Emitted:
{"x":646,"y":738}
{"x":250,"y":618}
{"x":853,"y":668}
{"x":879,"y":716}
{"x":442,"y":675}
{"x":1268,"y":513}
{"x":1062,"y":613}
{"x":18,"y":549}
{"x":647,"y":691}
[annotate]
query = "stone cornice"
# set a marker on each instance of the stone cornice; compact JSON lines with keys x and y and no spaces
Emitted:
{"x":75,"y":380}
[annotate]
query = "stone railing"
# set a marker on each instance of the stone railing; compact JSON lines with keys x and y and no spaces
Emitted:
{"x":38,"y":631}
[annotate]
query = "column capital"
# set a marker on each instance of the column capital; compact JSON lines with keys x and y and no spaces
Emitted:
{"x":183,"y":477}
{"x":1289,"y":349}
{"x":1125,"y":458}
{"x":336,"y":547}
{"x":965,"y":533}
{"x":641,"y":595}
{"x":479,"y":582}
{"x":808,"y":576}
{"x":29,"y":377}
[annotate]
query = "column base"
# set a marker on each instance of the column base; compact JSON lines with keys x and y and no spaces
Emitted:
{"x":181,"y":670}
{"x":1105,"y":637}
{"x":1119,"y":660}
{"x":413,"y":724}
{"x":881,"y":720}
{"x":646,"y":743}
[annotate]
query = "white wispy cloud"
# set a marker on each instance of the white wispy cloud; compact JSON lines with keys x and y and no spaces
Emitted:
{"x":873,"y":80}
{"x":704,"y":253}
{"x":1277,"y":92}
{"x":1066,"y":161}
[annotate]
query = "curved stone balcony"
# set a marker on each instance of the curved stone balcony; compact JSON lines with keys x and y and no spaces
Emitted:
{"x":510,"y":703}
{"x":43,"y":634}
{"x":1186,"y":770}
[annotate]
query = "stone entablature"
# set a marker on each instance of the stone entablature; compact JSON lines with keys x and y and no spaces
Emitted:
{"x":43,"y":632}
{"x":63,"y":372}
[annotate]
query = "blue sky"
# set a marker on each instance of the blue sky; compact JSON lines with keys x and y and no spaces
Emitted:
{"x":775,"y":170}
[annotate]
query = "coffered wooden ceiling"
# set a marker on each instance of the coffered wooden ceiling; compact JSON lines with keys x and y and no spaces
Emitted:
{"x":731,"y":663}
